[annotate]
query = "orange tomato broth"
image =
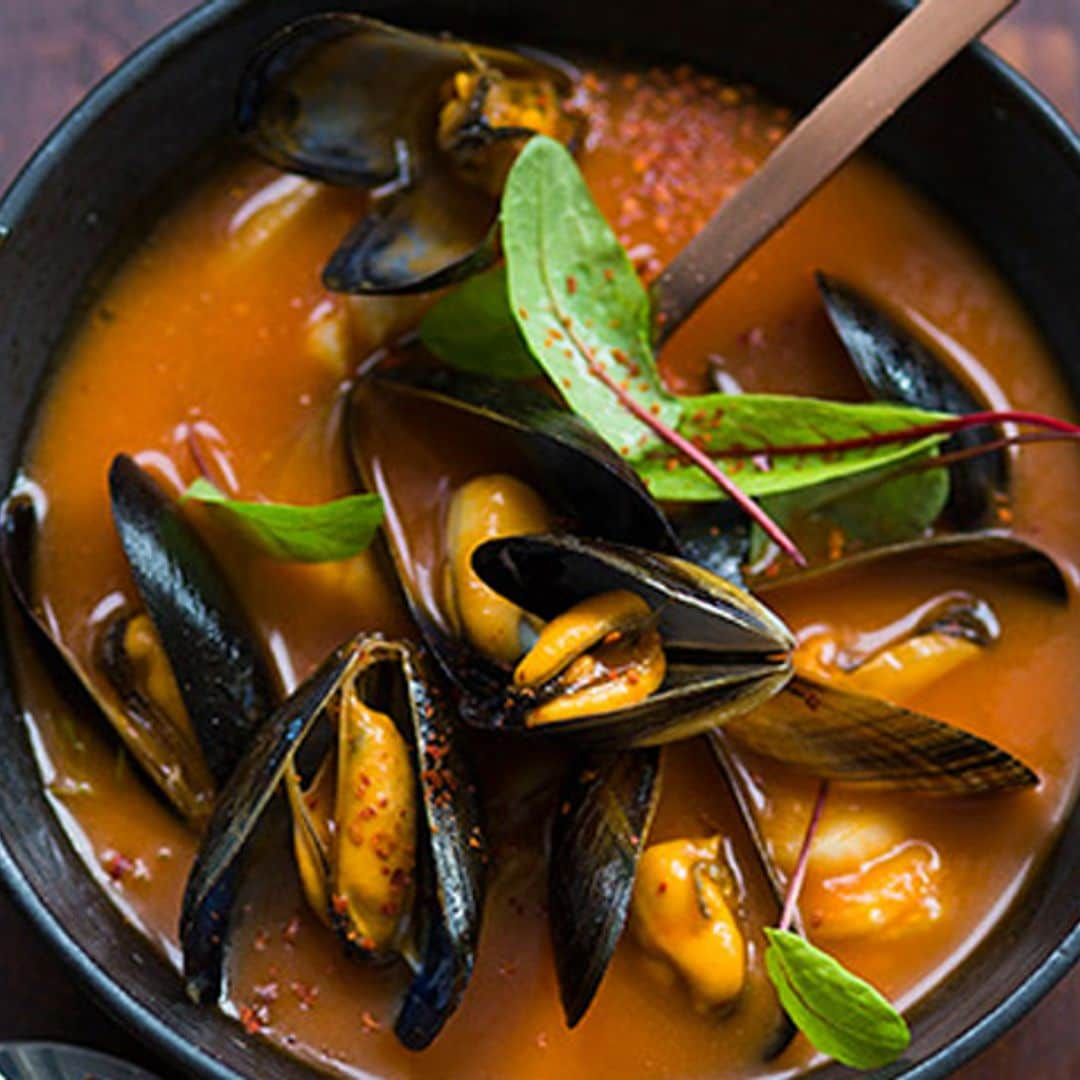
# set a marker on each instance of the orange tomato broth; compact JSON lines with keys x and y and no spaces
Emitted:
{"x":199,"y":332}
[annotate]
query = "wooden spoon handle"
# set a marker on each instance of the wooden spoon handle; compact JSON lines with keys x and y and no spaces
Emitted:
{"x":917,"y":49}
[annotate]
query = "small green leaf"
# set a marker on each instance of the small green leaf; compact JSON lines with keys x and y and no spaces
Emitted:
{"x":741,"y":422}
{"x":322,"y":533}
{"x":473,"y":328}
{"x":576,"y":297}
{"x":881,"y":506}
{"x":841,"y":1014}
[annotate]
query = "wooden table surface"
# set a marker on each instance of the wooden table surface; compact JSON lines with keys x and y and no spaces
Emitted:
{"x":51,"y":52}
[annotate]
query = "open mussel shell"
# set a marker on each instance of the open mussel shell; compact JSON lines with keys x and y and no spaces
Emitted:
{"x":168,"y":755}
{"x":896,"y":365}
{"x":991,"y":551}
{"x":349,"y":100}
{"x":576,"y":472}
{"x":224,"y":680}
{"x":853,"y":738}
{"x":726,"y":652}
{"x":606,"y":808}
{"x":427,"y":236}
{"x":570,"y":465}
{"x":451,"y":850}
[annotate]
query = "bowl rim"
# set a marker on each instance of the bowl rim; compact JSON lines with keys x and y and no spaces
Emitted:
{"x":109,"y":90}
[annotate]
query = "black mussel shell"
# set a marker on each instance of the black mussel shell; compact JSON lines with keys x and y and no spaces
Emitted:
{"x":992,"y":551}
{"x":349,"y":100}
{"x":605,"y":811}
{"x":225,"y":682}
{"x":726,"y":652}
{"x":856,"y":739}
{"x":165,"y":754}
{"x":897,"y":366}
{"x":425,"y":237}
{"x":715,"y":536}
{"x":451,"y":850}
{"x":573,"y":468}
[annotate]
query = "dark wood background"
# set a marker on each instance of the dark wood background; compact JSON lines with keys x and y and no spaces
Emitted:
{"x":51,"y":52}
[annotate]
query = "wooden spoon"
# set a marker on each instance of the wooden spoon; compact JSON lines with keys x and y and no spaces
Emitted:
{"x":917,"y":49}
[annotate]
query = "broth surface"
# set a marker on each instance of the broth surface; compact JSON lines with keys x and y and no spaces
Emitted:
{"x":216,"y":341}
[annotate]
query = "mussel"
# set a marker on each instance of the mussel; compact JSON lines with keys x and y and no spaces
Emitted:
{"x":429,"y":125}
{"x":388,"y":790}
{"x":711,"y":651}
{"x":898,"y":364}
{"x":181,"y":679}
{"x":721,"y":650}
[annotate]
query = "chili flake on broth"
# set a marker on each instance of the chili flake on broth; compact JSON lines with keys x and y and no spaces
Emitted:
{"x":664,"y":149}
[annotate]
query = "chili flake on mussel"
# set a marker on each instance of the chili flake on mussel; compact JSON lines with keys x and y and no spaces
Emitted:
{"x":386,"y":829}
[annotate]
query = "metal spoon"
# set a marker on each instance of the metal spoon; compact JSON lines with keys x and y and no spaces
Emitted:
{"x":923,"y":43}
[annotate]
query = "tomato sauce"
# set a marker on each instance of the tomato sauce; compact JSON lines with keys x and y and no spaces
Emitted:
{"x":216,"y":340}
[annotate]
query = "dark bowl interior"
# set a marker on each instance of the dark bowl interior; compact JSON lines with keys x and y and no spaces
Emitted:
{"x":977,"y":140}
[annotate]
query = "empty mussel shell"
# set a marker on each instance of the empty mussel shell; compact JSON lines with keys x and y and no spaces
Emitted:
{"x":853,"y":738}
{"x":898,"y":365}
{"x":991,"y":551}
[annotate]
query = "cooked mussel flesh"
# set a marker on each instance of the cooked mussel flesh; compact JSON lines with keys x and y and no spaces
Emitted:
{"x":638,"y":648}
{"x":390,"y":725}
{"x":429,"y":125}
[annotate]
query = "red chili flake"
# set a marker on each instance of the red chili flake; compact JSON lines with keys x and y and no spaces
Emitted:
{"x":609,"y":274}
{"x":369,"y":1023}
{"x":474,"y":842}
{"x":671,"y":464}
{"x":508,"y":969}
{"x":633,"y":677}
{"x":116,"y":865}
{"x":662,"y":887}
{"x":620,"y":356}
{"x":654,"y":408}
{"x":522,"y":313}
{"x":251,"y":1020}
{"x":339,"y":904}
{"x":566,"y":383}
{"x":571,"y":284}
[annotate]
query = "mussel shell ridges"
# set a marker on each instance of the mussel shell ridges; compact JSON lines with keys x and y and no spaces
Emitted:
{"x":225,"y":682}
{"x":605,"y":811}
{"x":853,"y":738}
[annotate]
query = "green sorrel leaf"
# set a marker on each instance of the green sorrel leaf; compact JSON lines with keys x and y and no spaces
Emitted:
{"x":841,"y":1014}
{"x":472,"y":328}
{"x":321,"y":533}
{"x":576,"y":297}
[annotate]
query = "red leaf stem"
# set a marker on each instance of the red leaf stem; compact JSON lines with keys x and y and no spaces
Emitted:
{"x":910,"y":434}
{"x":791,"y":897}
{"x":704,"y":463}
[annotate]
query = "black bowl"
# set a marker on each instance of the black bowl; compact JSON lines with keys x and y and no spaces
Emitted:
{"x":978,"y":140}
